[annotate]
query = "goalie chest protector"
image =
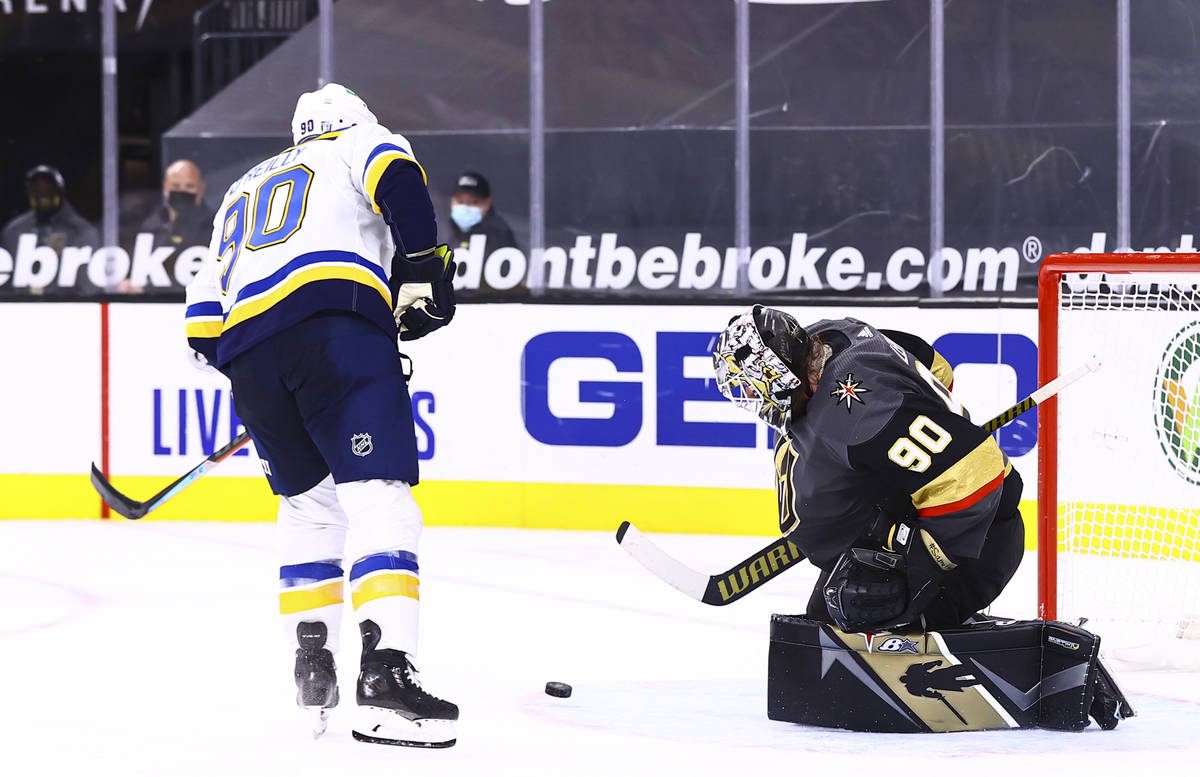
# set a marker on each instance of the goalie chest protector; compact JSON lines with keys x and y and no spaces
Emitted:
{"x":994,"y":675}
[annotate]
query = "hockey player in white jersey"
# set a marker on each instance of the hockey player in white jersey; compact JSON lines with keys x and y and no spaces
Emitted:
{"x":320,"y":255}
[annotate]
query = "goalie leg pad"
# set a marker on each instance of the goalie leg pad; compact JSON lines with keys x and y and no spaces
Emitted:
{"x":989,"y":675}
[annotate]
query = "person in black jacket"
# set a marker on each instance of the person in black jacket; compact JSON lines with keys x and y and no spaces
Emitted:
{"x":183,"y":219}
{"x":52,"y":219}
{"x":472,"y":213}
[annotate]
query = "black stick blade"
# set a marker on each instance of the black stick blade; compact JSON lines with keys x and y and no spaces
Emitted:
{"x":120,"y":503}
{"x":624,"y":527}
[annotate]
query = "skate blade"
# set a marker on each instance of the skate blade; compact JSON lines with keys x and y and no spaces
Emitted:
{"x":386,"y":727}
{"x":320,"y":721}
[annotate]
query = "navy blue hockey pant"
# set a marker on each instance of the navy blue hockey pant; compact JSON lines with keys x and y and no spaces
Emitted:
{"x":326,"y":395}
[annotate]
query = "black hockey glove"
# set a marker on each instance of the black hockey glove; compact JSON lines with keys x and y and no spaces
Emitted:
{"x":878,"y":589}
{"x":424,"y":292}
{"x":867,"y":588}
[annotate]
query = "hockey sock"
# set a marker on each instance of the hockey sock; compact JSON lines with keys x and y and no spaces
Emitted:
{"x":311,"y":592}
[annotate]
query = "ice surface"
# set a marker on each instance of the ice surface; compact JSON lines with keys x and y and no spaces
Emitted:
{"x":153,"y":648}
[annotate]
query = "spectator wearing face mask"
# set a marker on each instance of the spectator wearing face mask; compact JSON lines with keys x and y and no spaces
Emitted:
{"x":183,"y":219}
{"x":472,"y":214}
{"x":50,"y":216}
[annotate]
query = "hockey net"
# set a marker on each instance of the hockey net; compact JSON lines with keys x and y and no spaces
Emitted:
{"x":1119,"y":453}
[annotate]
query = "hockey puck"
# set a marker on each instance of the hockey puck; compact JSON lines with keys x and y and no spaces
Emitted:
{"x":561,"y":690}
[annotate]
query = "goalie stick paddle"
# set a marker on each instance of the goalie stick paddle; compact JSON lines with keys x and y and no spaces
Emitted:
{"x":134,"y":510}
{"x":723,"y":588}
{"x":782,"y":554}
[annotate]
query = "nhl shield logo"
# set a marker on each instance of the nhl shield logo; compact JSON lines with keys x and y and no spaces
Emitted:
{"x":361,"y":445}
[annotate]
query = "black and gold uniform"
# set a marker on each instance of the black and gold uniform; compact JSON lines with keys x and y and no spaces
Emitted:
{"x":884,"y":459}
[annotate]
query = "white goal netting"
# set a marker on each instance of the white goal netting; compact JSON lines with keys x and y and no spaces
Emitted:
{"x":1128,"y":468}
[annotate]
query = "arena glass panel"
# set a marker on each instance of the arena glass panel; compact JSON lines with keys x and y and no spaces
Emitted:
{"x":1165,"y":185}
{"x":472,"y":115}
{"x":1164,"y":50}
{"x":1165,"y":156}
{"x":1031,"y":155}
{"x":839,"y":106}
{"x":839,"y":213}
{"x":846,"y":65}
{"x":639,"y":107}
{"x":1019,"y":62}
{"x":1021,"y":193}
{"x":38,"y":59}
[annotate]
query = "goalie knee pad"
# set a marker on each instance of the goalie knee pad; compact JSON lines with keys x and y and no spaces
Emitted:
{"x":989,"y":675}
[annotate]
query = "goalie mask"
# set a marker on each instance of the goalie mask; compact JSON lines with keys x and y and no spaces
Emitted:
{"x":757,"y":361}
{"x":331,"y":107}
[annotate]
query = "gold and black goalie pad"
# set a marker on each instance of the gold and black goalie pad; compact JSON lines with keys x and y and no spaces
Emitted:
{"x":992,"y":675}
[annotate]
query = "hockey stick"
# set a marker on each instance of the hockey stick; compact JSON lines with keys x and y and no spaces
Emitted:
{"x":134,"y":510}
{"x":782,"y":554}
{"x":1091,"y":364}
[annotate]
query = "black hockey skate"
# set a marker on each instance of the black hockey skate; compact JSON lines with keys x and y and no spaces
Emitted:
{"x":393,"y":708}
{"x":316,"y":674}
{"x":1109,"y":705}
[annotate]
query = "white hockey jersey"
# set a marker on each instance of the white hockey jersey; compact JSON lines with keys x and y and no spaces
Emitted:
{"x":298,"y":233}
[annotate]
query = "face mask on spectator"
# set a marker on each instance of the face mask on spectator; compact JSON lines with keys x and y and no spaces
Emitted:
{"x":465,"y":216}
{"x":181,"y":201}
{"x":45,"y":205}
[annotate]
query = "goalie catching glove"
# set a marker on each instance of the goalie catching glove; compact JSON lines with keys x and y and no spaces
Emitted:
{"x":872,"y":589}
{"x":424,"y":291}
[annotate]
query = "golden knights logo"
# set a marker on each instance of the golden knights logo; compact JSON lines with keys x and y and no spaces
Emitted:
{"x":849,"y":391}
{"x":361,"y":445}
{"x":930,"y":679}
{"x":1177,"y":403}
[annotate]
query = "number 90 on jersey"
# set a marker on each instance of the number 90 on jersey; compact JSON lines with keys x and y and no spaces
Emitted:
{"x":915,"y":452}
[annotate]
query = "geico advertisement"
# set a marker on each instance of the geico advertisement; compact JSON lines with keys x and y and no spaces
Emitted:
{"x":557,"y":394}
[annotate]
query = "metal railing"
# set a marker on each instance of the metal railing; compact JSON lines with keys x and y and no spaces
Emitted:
{"x":231,"y":35}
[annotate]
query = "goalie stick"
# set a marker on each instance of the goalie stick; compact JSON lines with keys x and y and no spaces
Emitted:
{"x":134,"y":510}
{"x":782,"y":554}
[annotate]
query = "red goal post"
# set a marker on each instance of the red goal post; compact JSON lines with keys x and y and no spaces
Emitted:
{"x":1138,"y":307}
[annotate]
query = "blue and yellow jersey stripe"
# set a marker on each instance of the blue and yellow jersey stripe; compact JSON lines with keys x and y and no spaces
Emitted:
{"x":204,"y":320}
{"x":256,"y":298}
{"x":310,"y":586}
{"x":308,"y":284}
{"x":203,"y":323}
{"x":378,"y":160}
{"x":394,"y":573}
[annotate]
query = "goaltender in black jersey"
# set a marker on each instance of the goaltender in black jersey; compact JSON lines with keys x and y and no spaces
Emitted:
{"x":908,"y":508}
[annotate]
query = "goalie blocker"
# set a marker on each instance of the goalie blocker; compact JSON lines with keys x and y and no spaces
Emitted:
{"x":989,"y":675}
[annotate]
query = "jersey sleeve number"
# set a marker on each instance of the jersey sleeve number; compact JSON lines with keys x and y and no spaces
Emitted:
{"x":916,"y":451}
{"x":280,"y":203}
{"x":233,"y":229}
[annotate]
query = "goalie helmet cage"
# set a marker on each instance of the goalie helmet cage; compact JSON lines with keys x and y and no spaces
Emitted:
{"x":1119,"y":457}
